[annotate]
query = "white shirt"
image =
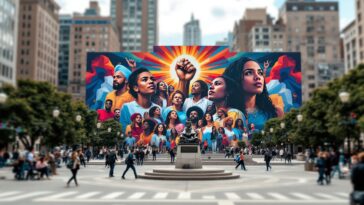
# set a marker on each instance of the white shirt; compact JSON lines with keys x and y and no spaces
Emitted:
{"x":202,"y":103}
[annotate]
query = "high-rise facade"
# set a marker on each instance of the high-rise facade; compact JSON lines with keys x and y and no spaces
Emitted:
{"x":65,"y":23}
{"x":192,"y":32}
{"x":350,"y":46}
{"x":359,"y":27}
{"x":37,"y":47}
{"x":89,"y":33}
{"x":242,"y":28}
{"x":137,"y":24}
{"x":312,"y":28}
{"x":8,"y":40}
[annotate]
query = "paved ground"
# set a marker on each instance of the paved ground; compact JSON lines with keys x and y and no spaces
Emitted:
{"x":283,"y":185}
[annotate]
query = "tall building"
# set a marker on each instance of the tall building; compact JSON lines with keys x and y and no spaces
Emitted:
{"x":192,"y":32}
{"x":37,"y":52}
{"x":89,"y":33}
{"x":242,"y":28}
{"x":267,"y":38}
{"x":312,"y":28}
{"x":351,"y":48}
{"x":359,"y":24}
{"x":65,"y":23}
{"x":137,"y":24}
{"x":8,"y":40}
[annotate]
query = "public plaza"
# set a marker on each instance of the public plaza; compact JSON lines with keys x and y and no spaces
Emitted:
{"x":284,"y":184}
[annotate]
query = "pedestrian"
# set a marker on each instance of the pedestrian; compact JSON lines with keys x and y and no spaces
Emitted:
{"x":81,"y":156}
{"x":267,"y":158}
{"x":281,"y":153}
{"x":141,"y":156}
{"x":129,"y":161}
{"x":111,"y":161}
{"x":241,"y":161}
{"x":320,"y":165}
{"x":42,"y":167}
{"x":88,"y":155}
{"x":74,"y":166}
{"x":154,"y":152}
{"x":288,"y":157}
{"x":357,"y":173}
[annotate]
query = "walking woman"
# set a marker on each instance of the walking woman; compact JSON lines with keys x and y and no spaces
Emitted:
{"x":74,"y":165}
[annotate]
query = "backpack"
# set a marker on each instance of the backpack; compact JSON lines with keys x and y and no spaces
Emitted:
{"x":70,"y":164}
{"x":237,"y":158}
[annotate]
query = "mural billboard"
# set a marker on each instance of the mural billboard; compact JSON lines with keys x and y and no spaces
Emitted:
{"x":209,"y":85}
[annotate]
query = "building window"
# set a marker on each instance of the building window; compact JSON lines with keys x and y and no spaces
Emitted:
{"x":311,"y":85}
{"x":359,"y":17}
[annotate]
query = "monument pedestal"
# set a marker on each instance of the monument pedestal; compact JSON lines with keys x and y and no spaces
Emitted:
{"x":188,"y":156}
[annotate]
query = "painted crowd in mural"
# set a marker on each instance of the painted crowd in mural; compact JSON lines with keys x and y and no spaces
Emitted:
{"x":227,"y":96}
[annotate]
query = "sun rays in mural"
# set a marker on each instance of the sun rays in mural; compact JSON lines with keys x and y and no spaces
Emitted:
{"x":209,"y":62}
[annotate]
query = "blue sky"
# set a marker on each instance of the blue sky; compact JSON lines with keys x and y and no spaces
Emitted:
{"x":216,"y":19}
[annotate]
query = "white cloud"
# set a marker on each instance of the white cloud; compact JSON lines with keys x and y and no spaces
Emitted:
{"x":69,"y":6}
{"x":215,"y":16}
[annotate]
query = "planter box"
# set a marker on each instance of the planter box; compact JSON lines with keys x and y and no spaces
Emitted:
{"x":310,"y":166}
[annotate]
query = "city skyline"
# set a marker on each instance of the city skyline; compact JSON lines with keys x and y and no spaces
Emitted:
{"x":174,"y":14}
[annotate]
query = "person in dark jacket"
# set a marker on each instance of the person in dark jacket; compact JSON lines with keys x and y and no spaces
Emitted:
{"x":321,"y":166}
{"x":357,"y":173}
{"x":267,"y":158}
{"x":129,"y":161}
{"x":111,"y":161}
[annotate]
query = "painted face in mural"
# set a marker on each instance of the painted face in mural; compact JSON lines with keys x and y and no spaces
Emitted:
{"x":196,"y":88}
{"x":162,"y":86}
{"x":171,"y":88}
{"x":119,"y":81}
{"x":177,"y":99}
{"x":174,"y":115}
{"x":145,"y":84}
{"x":157,"y":112}
{"x":108,"y":104}
{"x":194,"y":116}
{"x":208,"y":117}
{"x":138,"y":119}
{"x":160,"y":128}
{"x":217,"y":89}
{"x":145,"y":126}
{"x":117,"y":113}
{"x":252,"y":77}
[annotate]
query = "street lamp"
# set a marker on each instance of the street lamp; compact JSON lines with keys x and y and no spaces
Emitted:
{"x":78,"y":118}
{"x":344,"y":98}
{"x":56,"y":112}
{"x":299,"y":117}
{"x":109,"y":129}
{"x":3,"y":97}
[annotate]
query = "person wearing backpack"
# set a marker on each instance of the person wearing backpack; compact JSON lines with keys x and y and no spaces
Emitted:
{"x":129,"y":161}
{"x":267,"y":158}
{"x":241,"y":161}
{"x":74,"y":166}
{"x":111,"y":161}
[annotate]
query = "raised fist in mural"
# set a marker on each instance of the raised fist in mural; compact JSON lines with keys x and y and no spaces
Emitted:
{"x":185,"y":70}
{"x":131,"y":63}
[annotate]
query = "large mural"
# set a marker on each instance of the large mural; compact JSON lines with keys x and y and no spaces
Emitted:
{"x":235,"y":93}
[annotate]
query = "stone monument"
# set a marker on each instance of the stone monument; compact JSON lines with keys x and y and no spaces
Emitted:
{"x":188,"y":149}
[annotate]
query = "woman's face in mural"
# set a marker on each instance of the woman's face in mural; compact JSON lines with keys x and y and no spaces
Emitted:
{"x":174,"y":115}
{"x":208,"y":117}
{"x":162,"y":86}
{"x":145,"y":83}
{"x":145,"y":126}
{"x":157,"y":112}
{"x":160,"y":128}
{"x":177,"y":99}
{"x":217,"y":89}
{"x":252,"y":78}
{"x":138,"y":119}
{"x":200,"y":123}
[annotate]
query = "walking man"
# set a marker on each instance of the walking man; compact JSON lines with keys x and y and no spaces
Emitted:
{"x":129,"y":161}
{"x":267,"y":158}
{"x":112,"y":159}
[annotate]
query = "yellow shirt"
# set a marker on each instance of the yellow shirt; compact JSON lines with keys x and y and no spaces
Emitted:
{"x":145,"y":139}
{"x":120,"y":100}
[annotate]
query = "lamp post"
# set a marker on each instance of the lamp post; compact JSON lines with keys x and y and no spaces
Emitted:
{"x":344,"y":98}
{"x":3,"y":97}
{"x":283,"y":125}
{"x":271,"y":130}
{"x":56,"y":112}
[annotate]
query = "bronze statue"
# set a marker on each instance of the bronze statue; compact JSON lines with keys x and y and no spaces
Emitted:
{"x":189,"y":136}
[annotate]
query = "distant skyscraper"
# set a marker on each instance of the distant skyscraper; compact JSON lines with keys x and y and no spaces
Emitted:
{"x":65,"y":23}
{"x":192,"y":33}
{"x":137,"y":23}
{"x":8,"y":40}
{"x":89,"y":33}
{"x":38,"y":29}
{"x":359,"y":27}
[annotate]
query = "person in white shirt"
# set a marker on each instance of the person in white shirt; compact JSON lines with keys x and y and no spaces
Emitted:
{"x":199,"y":94}
{"x":142,"y":88}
